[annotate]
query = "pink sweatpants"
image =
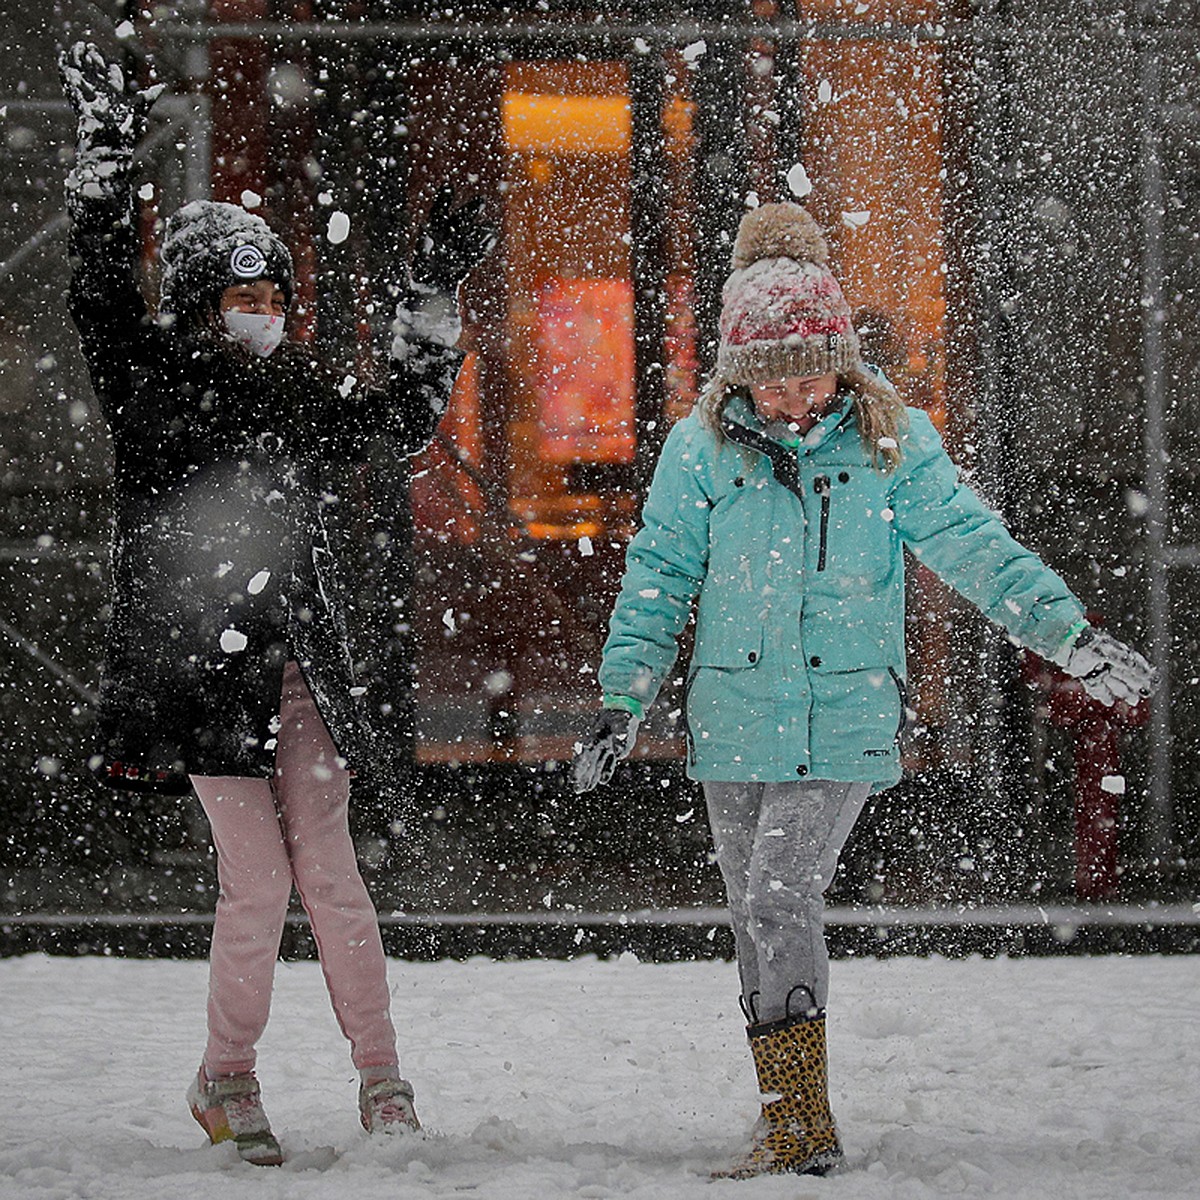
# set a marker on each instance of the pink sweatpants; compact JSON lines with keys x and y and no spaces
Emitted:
{"x":269,"y":836}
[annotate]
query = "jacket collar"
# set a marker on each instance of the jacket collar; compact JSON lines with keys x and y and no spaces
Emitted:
{"x":743,"y":426}
{"x":785,"y":465}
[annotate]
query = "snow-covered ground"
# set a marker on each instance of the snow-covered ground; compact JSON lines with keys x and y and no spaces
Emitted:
{"x":1041,"y":1078}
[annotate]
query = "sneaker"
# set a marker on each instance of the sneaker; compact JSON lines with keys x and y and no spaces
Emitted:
{"x":230,"y":1109}
{"x":386,"y":1106}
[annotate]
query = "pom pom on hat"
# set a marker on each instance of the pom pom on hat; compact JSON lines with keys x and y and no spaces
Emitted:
{"x":779,"y":231}
{"x":210,"y":246}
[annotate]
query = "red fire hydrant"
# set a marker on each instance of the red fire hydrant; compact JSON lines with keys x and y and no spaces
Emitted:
{"x":1099,"y":783}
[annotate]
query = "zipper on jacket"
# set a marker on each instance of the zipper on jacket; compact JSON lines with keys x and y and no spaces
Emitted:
{"x":821,"y":487}
{"x":687,"y":721}
{"x":903,"y":693}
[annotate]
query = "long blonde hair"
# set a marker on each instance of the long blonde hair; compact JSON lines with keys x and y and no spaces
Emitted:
{"x":878,"y":409}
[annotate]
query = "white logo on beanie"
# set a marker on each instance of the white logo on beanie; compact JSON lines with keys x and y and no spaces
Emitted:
{"x":248,"y":262}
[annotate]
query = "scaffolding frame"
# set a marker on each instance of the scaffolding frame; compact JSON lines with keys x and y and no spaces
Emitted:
{"x":732,"y":26}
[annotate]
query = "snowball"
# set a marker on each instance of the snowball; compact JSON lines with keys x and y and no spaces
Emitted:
{"x":855,"y":220}
{"x":825,"y":91}
{"x":146,"y":192}
{"x":1137,"y":502}
{"x":287,"y":85}
{"x":798,"y":181}
{"x":258,"y":582}
{"x":358,"y":691}
{"x":651,"y":593}
{"x":339,"y":228}
{"x":586,"y":549}
{"x":694,"y":52}
{"x":251,"y":199}
{"x":233,"y":641}
{"x":498,"y":682}
{"x":125,"y":30}
{"x":448,"y":620}
{"x":1113,"y":784}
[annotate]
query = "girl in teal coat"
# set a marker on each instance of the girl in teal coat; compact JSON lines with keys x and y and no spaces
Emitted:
{"x":781,"y":508}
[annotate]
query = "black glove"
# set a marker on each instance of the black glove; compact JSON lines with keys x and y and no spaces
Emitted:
{"x":450,"y":245}
{"x":111,"y":116}
{"x":609,"y":740}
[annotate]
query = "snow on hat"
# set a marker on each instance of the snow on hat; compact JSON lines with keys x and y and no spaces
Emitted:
{"x":210,"y":246}
{"x":783,"y":313}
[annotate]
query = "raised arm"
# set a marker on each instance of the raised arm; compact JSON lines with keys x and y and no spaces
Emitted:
{"x":105,"y":301}
{"x":423,"y":361}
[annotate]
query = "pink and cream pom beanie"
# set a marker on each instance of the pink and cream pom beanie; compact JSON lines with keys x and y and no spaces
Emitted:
{"x":783,"y":313}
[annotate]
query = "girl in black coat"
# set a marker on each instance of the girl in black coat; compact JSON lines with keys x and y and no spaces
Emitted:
{"x":226,"y":662}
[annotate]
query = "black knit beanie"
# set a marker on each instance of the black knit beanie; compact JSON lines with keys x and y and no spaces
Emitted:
{"x":210,"y":246}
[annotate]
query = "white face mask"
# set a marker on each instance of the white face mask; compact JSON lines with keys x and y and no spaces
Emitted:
{"x":260,"y":333}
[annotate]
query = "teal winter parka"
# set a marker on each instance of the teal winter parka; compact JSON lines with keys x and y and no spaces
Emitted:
{"x":796,"y":557}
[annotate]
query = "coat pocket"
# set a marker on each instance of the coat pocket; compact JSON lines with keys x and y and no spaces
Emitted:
{"x":725,"y":697}
{"x":727,"y":642}
{"x":857,"y":715}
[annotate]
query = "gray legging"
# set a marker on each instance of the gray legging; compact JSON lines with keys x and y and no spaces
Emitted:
{"x":777,"y":846}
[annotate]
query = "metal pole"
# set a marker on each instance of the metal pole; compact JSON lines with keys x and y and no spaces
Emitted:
{"x":197,"y":163}
{"x":39,"y":655}
{"x":1159,"y":815}
{"x":737,"y":29}
{"x":992,"y":132}
{"x":648,"y":266}
{"x":51,"y":229}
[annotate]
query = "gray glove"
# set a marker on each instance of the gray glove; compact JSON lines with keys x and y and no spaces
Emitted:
{"x":609,"y":740}
{"x":111,"y":115}
{"x":1108,"y":669}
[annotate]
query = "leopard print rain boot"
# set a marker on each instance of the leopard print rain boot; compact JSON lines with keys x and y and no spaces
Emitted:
{"x":795,"y":1133}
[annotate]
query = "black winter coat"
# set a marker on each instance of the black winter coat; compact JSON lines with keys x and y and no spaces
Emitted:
{"x":221,"y":569}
